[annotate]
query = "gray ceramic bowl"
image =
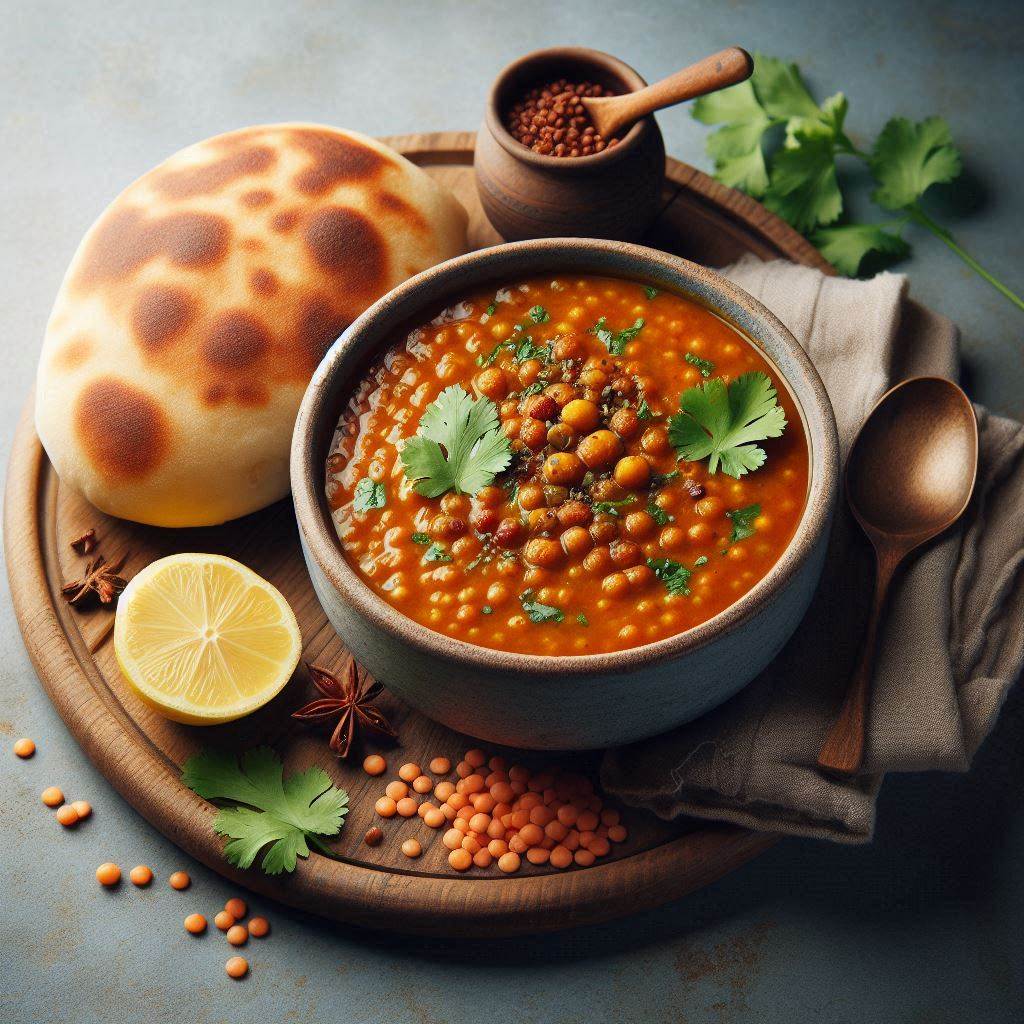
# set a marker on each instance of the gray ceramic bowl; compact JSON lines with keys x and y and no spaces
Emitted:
{"x":540,"y":701}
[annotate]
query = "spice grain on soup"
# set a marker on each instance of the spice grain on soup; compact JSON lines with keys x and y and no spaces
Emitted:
{"x":556,"y":514}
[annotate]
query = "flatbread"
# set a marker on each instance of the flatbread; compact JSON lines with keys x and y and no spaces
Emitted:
{"x":198,"y":305}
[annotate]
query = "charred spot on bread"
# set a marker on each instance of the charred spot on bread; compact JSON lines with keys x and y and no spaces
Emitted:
{"x":160,"y":312}
{"x":334,"y":159}
{"x":210,"y":178}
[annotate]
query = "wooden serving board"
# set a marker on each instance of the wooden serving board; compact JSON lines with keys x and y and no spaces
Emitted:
{"x":141,"y":753}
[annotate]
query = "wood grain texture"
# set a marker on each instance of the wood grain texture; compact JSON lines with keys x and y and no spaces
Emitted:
{"x":141,"y":753}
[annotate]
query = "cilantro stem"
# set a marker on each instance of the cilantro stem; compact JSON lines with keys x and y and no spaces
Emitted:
{"x":918,"y":215}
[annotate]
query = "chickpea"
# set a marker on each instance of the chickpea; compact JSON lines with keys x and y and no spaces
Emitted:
{"x":672,"y":537}
{"x":615,"y":585}
{"x":561,"y":437}
{"x":574,"y":513}
{"x":561,"y":393}
{"x":543,"y":520}
{"x":638,"y":525}
{"x":497,"y":594}
{"x":599,"y":449}
{"x":555,"y":494}
{"x":654,"y":441}
{"x":446,"y":527}
{"x":700,"y":533}
{"x":540,"y":407}
{"x":598,"y":562}
{"x":576,"y":541}
{"x":490,"y":496}
{"x":492,"y":383}
{"x":625,"y":554}
{"x":564,"y":469}
{"x":509,"y":533}
{"x":581,"y":415}
{"x":568,"y":348}
{"x":484,"y":520}
{"x":544,"y":552}
{"x":632,"y":472}
{"x":533,"y":434}
{"x":510,"y":426}
{"x":606,"y":489}
{"x":624,"y":386}
{"x":592,"y":378}
{"x":530,"y":371}
{"x":710,"y":507}
{"x":639,"y":575}
{"x":625,"y":423}
{"x":604,"y":529}
{"x":531,"y":496}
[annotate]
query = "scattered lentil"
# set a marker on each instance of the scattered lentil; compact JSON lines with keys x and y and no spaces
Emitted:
{"x":236,"y":907}
{"x":224,"y":920}
{"x":259,"y":927}
{"x":195,"y":924}
{"x":82,"y":808}
{"x":141,"y":876}
{"x":67,"y":815}
{"x":237,"y":967}
{"x":375,"y":765}
{"x":108,"y":874}
{"x":237,"y":935}
{"x":52,"y":796}
{"x":179,"y":880}
{"x":373,"y":836}
{"x":24,"y":747}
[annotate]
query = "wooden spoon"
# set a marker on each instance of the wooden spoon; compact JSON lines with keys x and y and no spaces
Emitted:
{"x":909,"y":477}
{"x":610,"y":114}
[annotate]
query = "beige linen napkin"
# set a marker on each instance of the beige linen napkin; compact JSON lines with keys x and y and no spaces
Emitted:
{"x":953,"y":638}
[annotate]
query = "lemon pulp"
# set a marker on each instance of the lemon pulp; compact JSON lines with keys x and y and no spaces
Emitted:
{"x":204,"y":639}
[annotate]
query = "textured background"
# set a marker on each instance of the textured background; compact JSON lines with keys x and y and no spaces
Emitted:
{"x":922,"y":926}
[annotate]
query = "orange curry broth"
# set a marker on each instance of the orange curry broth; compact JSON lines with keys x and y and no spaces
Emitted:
{"x":525,"y":534}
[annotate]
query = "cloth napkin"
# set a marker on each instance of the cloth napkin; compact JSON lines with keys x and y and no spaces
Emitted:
{"x":952,"y":641}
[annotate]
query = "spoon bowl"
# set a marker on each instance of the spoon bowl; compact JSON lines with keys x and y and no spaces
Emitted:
{"x":909,"y":477}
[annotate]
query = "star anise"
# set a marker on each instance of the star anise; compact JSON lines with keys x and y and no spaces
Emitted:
{"x":101,"y":579}
{"x":86,"y":544}
{"x":348,"y":698}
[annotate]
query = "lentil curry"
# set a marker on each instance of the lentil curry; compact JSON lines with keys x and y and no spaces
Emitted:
{"x":571,"y":465}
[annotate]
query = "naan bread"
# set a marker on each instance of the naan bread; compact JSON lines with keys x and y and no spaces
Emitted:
{"x":198,"y":305}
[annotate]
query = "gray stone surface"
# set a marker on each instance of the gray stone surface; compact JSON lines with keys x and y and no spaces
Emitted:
{"x":924,"y":925}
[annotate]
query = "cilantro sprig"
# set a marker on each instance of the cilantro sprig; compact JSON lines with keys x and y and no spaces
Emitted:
{"x":777,"y":143}
{"x":742,"y":520}
{"x":537,"y":612}
{"x":369,"y":494}
{"x":459,"y":445}
{"x":616,"y":341}
{"x":285,"y":816}
{"x":720,"y":423}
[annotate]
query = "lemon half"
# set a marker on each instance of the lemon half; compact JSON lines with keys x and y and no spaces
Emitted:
{"x":203,"y":639}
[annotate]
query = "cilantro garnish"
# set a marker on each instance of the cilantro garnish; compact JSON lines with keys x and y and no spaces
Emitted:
{"x":796,"y":170}
{"x":676,"y":577}
{"x":537,"y":612}
{"x":705,"y":366}
{"x":526,"y":349}
{"x":436,"y":553}
{"x":659,"y":515}
{"x":491,"y":309}
{"x":486,"y":360}
{"x":539,"y":315}
{"x":369,"y":494}
{"x":658,"y":480}
{"x":743,"y":522}
{"x":643,"y":411}
{"x":718,"y":423}
{"x":474,"y":448}
{"x":582,"y":619}
{"x":486,"y":610}
{"x":614,"y":341}
{"x":288,"y":814}
{"x":699,"y":561}
{"x":612,"y":507}
{"x":650,"y":291}
{"x":533,"y":389}
{"x":421,"y":538}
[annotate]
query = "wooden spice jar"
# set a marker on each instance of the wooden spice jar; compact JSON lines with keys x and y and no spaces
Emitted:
{"x":612,"y":194}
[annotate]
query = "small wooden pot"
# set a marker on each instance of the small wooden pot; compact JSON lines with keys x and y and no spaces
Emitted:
{"x":613,"y":194}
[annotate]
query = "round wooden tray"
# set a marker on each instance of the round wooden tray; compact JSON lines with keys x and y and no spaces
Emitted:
{"x":141,"y":753}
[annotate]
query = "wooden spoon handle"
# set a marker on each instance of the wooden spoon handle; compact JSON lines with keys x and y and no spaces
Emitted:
{"x":721,"y":69}
{"x":842,"y":753}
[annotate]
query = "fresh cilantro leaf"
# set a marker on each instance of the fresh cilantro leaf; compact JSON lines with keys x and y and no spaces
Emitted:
{"x":908,"y":158}
{"x":846,"y":245}
{"x":537,"y":612}
{"x":804,"y":190}
{"x":539,"y":315}
{"x":421,"y":538}
{"x":487,"y":360}
{"x":659,"y":515}
{"x":676,"y":577}
{"x":826,"y":122}
{"x":526,"y":349}
{"x":614,"y":341}
{"x":650,"y":291}
{"x":719,"y":423}
{"x":643,"y":411}
{"x":705,"y":366}
{"x":284,"y":815}
{"x":736,"y":148}
{"x":474,"y":448}
{"x":612,"y":507}
{"x":582,"y":619}
{"x":436,"y":553}
{"x":780,"y":89}
{"x":369,"y":495}
{"x":743,"y":522}
{"x":492,"y":308}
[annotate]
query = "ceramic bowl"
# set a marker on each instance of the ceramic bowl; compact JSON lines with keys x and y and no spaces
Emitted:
{"x":541,"y":701}
{"x":612,"y":194}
